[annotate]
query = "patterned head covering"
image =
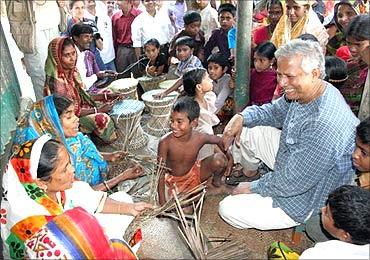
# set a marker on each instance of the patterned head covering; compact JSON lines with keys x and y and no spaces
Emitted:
{"x":57,"y":81}
{"x":34,"y":223}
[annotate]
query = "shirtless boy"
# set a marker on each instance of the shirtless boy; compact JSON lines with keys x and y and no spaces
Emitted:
{"x":179,"y":150}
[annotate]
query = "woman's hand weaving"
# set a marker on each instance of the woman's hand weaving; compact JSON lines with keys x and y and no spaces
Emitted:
{"x":133,"y":172}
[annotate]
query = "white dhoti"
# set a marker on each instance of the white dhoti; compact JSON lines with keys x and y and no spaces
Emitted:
{"x":253,"y":211}
{"x":257,"y":144}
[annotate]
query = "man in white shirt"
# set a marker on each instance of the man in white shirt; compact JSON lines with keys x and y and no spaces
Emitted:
{"x":151,"y":24}
{"x":47,"y":20}
{"x":97,"y":11}
{"x":347,"y":218}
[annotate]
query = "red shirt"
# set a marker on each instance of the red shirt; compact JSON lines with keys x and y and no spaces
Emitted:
{"x":121,"y":27}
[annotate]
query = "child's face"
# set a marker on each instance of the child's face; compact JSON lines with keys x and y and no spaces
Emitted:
{"x":206,"y":84}
{"x":361,"y":156}
{"x":193,"y":28}
{"x":183,"y":52}
{"x":180,"y":124}
{"x":151,"y":52}
{"x":226,"y":20}
{"x":215,"y":70}
{"x":261,"y":63}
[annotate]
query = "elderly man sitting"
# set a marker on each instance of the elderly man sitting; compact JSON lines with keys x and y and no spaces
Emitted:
{"x":312,"y":156}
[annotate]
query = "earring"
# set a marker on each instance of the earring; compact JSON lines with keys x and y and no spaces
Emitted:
{"x":271,"y":66}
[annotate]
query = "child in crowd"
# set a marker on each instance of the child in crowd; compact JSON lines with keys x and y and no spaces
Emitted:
{"x":198,"y":85}
{"x":184,"y":52}
{"x":226,"y":17}
{"x":192,"y":21}
{"x":336,"y":71}
{"x":263,"y":78}
{"x":179,"y":150}
{"x":347,"y":218}
{"x":209,"y":17}
{"x":218,"y":65}
{"x":156,"y":61}
{"x":361,"y":154}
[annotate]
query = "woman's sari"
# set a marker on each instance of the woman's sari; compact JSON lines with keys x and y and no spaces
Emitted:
{"x":43,"y":119}
{"x":309,"y":23}
{"x":72,"y":87}
{"x":34,"y":223}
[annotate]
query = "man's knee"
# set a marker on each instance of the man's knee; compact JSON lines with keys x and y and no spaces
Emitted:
{"x":226,"y":209}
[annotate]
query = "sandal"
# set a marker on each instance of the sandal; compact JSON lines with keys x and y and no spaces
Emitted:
{"x":238,"y":176}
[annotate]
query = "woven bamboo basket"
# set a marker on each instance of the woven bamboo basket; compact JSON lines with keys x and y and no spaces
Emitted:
{"x":150,"y":83}
{"x":159,"y":110}
{"x":126,"y":86}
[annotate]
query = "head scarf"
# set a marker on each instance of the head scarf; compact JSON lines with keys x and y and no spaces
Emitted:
{"x":57,"y":81}
{"x":42,"y":119}
{"x":34,"y":223}
{"x":308,"y":23}
{"x":335,"y":17}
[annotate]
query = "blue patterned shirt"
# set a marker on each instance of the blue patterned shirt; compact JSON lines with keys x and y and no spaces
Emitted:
{"x":314,"y":155}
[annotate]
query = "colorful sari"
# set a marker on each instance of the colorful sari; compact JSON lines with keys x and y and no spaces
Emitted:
{"x":72,"y":87}
{"x":34,"y":225}
{"x":309,"y":23}
{"x":43,"y":119}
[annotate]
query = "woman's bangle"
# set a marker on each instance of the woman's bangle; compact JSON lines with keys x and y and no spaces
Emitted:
{"x":105,"y":96}
{"x":95,"y":110}
{"x":106,"y":185}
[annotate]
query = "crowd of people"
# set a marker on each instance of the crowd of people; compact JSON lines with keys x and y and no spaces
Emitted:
{"x":297,"y":154}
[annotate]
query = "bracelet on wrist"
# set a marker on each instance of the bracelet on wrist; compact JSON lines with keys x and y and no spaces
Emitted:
{"x":95,"y":110}
{"x":105,"y":96}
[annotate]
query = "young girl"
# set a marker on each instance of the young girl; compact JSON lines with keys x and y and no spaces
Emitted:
{"x":263,"y":79}
{"x":197,"y":84}
{"x":156,"y":61}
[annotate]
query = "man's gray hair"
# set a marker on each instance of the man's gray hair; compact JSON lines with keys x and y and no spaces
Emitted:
{"x":311,"y":52}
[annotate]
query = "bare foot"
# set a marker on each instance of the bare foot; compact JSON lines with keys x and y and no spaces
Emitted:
{"x":249,"y":173}
{"x":242,"y":188}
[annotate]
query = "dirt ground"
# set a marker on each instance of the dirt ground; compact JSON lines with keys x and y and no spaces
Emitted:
{"x":255,"y":241}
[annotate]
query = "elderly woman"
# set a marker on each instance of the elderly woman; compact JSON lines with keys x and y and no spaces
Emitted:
{"x":344,"y":12}
{"x":39,"y":184}
{"x":63,"y":78}
{"x":54,"y":115}
{"x":299,"y":19}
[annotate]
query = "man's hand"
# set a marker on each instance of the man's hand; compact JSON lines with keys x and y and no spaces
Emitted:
{"x":242,"y":188}
{"x":232,"y":131}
